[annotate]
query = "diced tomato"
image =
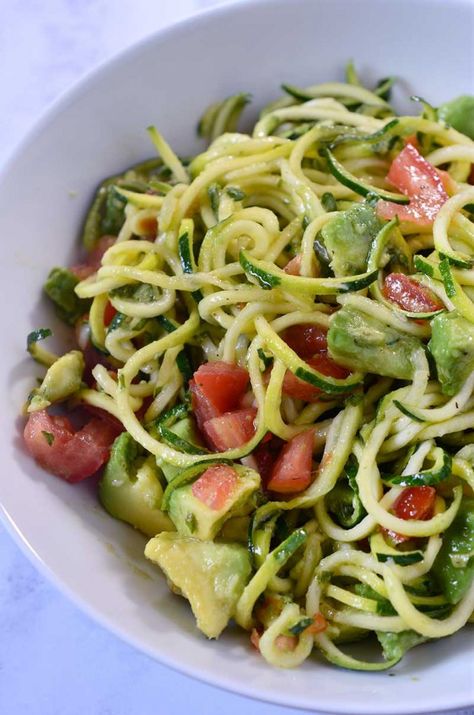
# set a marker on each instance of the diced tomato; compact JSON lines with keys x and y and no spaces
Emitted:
{"x":147,"y":228}
{"x":293,"y":266}
{"x":413,"y":503}
{"x":230,"y":430}
{"x":286,"y":643}
{"x":265,"y":460}
{"x":266,"y":455}
{"x":306,"y":339}
{"x":109,"y":313}
{"x":318,"y":625}
{"x":411,"y":174}
{"x":93,"y":260}
{"x":292,"y":470}
{"x":104,"y":415}
{"x":217,"y":387}
{"x":203,"y":408}
{"x":215,"y":486}
{"x":255,"y":639}
{"x":71,"y":455}
{"x":409,"y":294}
{"x":301,"y":390}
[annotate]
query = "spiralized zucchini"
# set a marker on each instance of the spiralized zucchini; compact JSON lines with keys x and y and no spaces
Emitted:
{"x":210,"y":284}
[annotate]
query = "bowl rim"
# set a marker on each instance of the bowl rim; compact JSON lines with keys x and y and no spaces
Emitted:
{"x":451,"y":701}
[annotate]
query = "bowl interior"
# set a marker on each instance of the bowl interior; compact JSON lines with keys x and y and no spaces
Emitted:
{"x":98,"y":129}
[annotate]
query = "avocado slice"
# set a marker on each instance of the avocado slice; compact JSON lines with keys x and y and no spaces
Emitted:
{"x":59,"y":287}
{"x":211,"y":576}
{"x":361,"y":342}
{"x":452,"y":347}
{"x":62,"y":380}
{"x":454,"y":564}
{"x":395,"y":645}
{"x":194,"y":518}
{"x":348,"y":238}
{"x":130,"y":488}
{"x":459,"y":113}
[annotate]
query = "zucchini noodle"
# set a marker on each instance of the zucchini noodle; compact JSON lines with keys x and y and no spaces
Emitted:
{"x":275,"y":312}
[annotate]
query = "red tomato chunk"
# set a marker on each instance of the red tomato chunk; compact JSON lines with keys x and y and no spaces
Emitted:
{"x":109,"y":313}
{"x":292,"y":470}
{"x":409,"y":294}
{"x":94,"y":258}
{"x":413,"y":503}
{"x":306,"y":339}
{"x":215,"y":486}
{"x":415,"y":177}
{"x":318,"y":625}
{"x":230,"y":430}
{"x":71,"y":455}
{"x":217,"y":387}
{"x":266,"y":454}
{"x":301,"y":390}
{"x":293,"y":267}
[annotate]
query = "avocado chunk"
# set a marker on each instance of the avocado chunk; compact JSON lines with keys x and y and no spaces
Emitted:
{"x":454,"y":564}
{"x":130,"y":488}
{"x":348,"y":238}
{"x":211,"y":576}
{"x":452,"y":347}
{"x":459,"y":113}
{"x":192,"y":517}
{"x":59,"y":287}
{"x":62,"y":380}
{"x":185,"y":429}
{"x":361,"y":342}
{"x":395,"y":645}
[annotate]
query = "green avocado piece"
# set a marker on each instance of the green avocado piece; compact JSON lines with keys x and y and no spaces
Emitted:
{"x":62,"y":380}
{"x":130,"y":488}
{"x":59,"y":287}
{"x":348,"y":238}
{"x":454,"y":565}
{"x":186,"y":429}
{"x":361,"y":342}
{"x":452,"y":347}
{"x":211,"y":576}
{"x":459,"y":113}
{"x":194,"y":518}
{"x":395,"y":645}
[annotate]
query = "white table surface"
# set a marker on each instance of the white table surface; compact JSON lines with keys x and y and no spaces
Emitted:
{"x":53,"y":659}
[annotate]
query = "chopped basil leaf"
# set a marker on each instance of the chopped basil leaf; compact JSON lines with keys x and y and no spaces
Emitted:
{"x":49,"y":437}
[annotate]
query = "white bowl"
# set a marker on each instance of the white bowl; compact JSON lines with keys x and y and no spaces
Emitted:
{"x":98,"y":129}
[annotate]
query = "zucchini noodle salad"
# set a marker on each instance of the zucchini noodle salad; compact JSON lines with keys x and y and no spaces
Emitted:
{"x":274,"y":370}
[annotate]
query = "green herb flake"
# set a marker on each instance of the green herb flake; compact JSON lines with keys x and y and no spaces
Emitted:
{"x":301,"y":626}
{"x":235,"y":193}
{"x":191,"y":522}
{"x":213,"y":193}
{"x":49,"y":437}
{"x":328,"y":201}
